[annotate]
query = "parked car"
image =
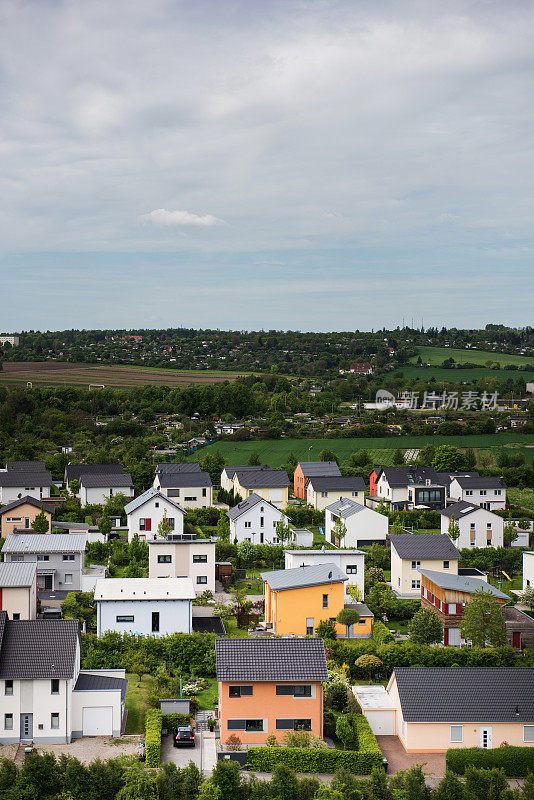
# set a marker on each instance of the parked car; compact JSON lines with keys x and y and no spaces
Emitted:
{"x":183,"y":736}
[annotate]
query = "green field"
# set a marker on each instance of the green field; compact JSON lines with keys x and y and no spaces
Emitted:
{"x":437,"y":355}
{"x":464,"y":375}
{"x":276,"y":451}
{"x":522,"y":497}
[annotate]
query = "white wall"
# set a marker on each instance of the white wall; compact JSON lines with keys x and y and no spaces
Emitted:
{"x":403,"y":574}
{"x":319,"y":502}
{"x":339,"y":557}
{"x":190,"y":496}
{"x":363,"y":527}
{"x":35,"y":697}
{"x":91,"y":496}
{"x":20,"y":600}
{"x":480,"y":519}
{"x":154,"y":510}
{"x":182,"y":563}
{"x":495,"y":497}
{"x":248,"y":528}
{"x":8,"y":494}
{"x":528,"y":570}
{"x":175,"y":616}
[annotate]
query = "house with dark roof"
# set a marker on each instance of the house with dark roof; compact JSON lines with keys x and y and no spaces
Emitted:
{"x":408,"y":487}
{"x":312,"y":469}
{"x":188,"y":489}
{"x":488,"y":492}
{"x":46,"y":698}
{"x":255,"y":520}
{"x":74,"y":472}
{"x":145,"y":513}
{"x":18,"y":483}
{"x":97,"y":488}
{"x":18,"y":589}
{"x":270,"y":686}
{"x":21,"y":513}
{"x":228,"y":473}
{"x":477,"y":527}
{"x":440,"y":708}
{"x":411,"y":552}
{"x":363,"y":525}
{"x":322,"y":491}
{"x":183,"y":466}
{"x":270,"y":484}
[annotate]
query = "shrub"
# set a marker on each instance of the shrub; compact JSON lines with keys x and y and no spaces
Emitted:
{"x":516,"y":762}
{"x":302,"y":759}
{"x":233,"y":742}
{"x":171,"y":720}
{"x":381,"y":634}
{"x":153,"y":723}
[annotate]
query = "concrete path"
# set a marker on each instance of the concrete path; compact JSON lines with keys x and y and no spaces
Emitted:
{"x":181,"y":756}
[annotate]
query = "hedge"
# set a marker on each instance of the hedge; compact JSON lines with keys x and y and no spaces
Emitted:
{"x":366,"y":739}
{"x":381,"y":634}
{"x":172,"y":720}
{"x":153,"y":723}
{"x":515,"y":761}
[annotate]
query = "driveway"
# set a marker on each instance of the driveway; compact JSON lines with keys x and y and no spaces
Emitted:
{"x":87,"y":749}
{"x":433,"y":764}
{"x":181,"y":756}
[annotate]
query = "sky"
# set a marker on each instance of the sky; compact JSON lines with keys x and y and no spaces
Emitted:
{"x":249,"y":164}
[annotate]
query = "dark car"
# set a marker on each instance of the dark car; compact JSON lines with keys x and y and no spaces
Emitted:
{"x":183,"y":736}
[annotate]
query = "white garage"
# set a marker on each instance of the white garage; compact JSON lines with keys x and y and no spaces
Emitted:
{"x":377,"y":707}
{"x":97,"y":721}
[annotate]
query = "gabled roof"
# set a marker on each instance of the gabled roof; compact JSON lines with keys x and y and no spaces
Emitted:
{"x":270,"y":660}
{"x":466,"y":694}
{"x":269,"y":478}
{"x":312,"y":469}
{"x":39,"y":648}
{"x":25,"y":466}
{"x":424,"y":545}
{"x":347,"y":507}
{"x":251,"y":501}
{"x":17,"y":574}
{"x":73,"y":472}
{"x":32,"y":501}
{"x":144,"y":589}
{"x":183,"y":466}
{"x":361,"y":608}
{"x":481,"y":483}
{"x":338,"y":551}
{"x":462,"y":509}
{"x":179,"y":480}
{"x":409,"y":476}
{"x":18,"y":478}
{"x":230,"y":470}
{"x":45,"y":543}
{"x":107,"y":479}
{"x":447,"y":477}
{"x":299,"y":577}
{"x":149,"y":495}
{"x":88,"y":682}
{"x":335,"y":483}
{"x":462,"y":583}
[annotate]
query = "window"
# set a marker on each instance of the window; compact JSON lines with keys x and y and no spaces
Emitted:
{"x":54,"y":720}
{"x":202,"y":578}
{"x":164,"y":559}
{"x":324,"y":494}
{"x":68,"y":577}
{"x":472,"y":526}
{"x":416,"y":584}
{"x":457,"y":733}
{"x":54,"y":686}
{"x":170,"y":523}
{"x":303,"y":724}
{"x":293,"y":690}
{"x":43,"y":558}
{"x":351,"y":569}
{"x":248,"y":524}
{"x":13,"y":519}
{"x":416,"y":564}
{"x":488,"y":526}
{"x":200,"y":559}
{"x":468,"y":492}
{"x":156,"y":505}
{"x":68,"y":556}
{"x":124,"y":618}
{"x":240,"y":691}
{"x":155,"y":622}
{"x":488,"y":542}
{"x":8,"y":722}
{"x":302,"y":690}
{"x":254,"y":725}
{"x":145,"y":524}
{"x":190,"y":499}
{"x":325,"y":601}
{"x":496,"y":491}
{"x":16,"y":616}
{"x":204,"y":492}
{"x":528,"y":733}
{"x":262,"y":521}
{"x":8,"y":687}
{"x":446,"y":565}
{"x":483,"y":492}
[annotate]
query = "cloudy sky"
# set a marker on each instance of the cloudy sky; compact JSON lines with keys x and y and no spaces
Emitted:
{"x":304,"y":164}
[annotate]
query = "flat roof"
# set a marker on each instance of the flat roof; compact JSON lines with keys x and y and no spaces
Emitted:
{"x":373,"y":697}
{"x":144,"y":589}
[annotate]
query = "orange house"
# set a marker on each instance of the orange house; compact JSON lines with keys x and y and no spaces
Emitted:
{"x":270,"y":686}
{"x":312,"y":469}
{"x":20,"y":514}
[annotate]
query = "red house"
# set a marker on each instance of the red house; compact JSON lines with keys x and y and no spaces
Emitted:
{"x":361,"y":368}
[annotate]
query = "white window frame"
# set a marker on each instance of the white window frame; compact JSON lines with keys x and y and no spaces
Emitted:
{"x":461,"y":729}
{"x":525,"y":739}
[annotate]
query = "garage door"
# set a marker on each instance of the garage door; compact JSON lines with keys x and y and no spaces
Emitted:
{"x":382,"y":722}
{"x":98,"y":721}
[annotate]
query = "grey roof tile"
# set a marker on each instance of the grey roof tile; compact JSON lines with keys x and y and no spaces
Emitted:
{"x":461,"y":509}
{"x":183,"y":466}
{"x":89,"y":682}
{"x":17,"y":573}
{"x":270,"y":478}
{"x":346,"y":507}
{"x":45,"y":543}
{"x":17,"y":478}
{"x":424,"y":545}
{"x":183,"y":480}
{"x":148,"y":495}
{"x":462,"y":583}
{"x":251,"y":501}
{"x":25,"y":466}
{"x":106,"y":479}
{"x":32,"y":501}
{"x":270,"y":660}
{"x":39,"y":648}
{"x":342,"y":483}
{"x":75,"y":471}
{"x":312,"y":469}
{"x":481,"y":483}
{"x":299,"y":577}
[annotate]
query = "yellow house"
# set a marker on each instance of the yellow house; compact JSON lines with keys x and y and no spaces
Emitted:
{"x":270,"y":484}
{"x":411,"y":552}
{"x":322,"y":491}
{"x":297,"y":600}
{"x":463,"y":707}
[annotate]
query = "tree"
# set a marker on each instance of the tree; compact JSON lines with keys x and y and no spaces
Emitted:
{"x":40,"y":523}
{"x":209,"y":790}
{"x":426,"y":455}
{"x":509,"y":532}
{"x":470,"y":459}
{"x":346,"y":732}
{"x":283,"y":531}
{"x":348,"y":617}
{"x":326,"y":629}
{"x":74,"y":486}
{"x":448,"y":459}
{"x":139,"y":784}
{"x":453,"y":530}
{"x":425,"y":627}
{"x":227,"y":778}
{"x":104,"y":525}
{"x":328,"y":455}
{"x":483,"y":621}
{"x":339,"y":531}
{"x":223,"y":527}
{"x":164,"y":526}
{"x":354,"y":591}
{"x":284,"y":783}
{"x":369,"y":663}
{"x":254,"y":459}
{"x":527,"y":598}
{"x":398,"y":457}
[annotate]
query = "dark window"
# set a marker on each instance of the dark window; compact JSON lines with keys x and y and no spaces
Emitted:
{"x":155,"y":621}
{"x":285,"y":724}
{"x":302,"y":690}
{"x":204,"y":492}
{"x":202,"y":578}
{"x":68,"y":557}
{"x":236,"y":724}
{"x":325,"y":601}
{"x":164,"y":559}
{"x":200,"y":559}
{"x":254,"y":725}
{"x":352,"y":569}
{"x":124,"y":618}
{"x":284,"y":689}
{"x":294,"y":690}
{"x":303,"y":724}
{"x":9,"y":687}
{"x":16,"y":616}
{"x":240,"y":691}
{"x":54,"y":686}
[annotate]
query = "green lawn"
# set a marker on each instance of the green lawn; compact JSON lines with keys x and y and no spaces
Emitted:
{"x":208,"y":698}
{"x":253,"y":582}
{"x":276,"y":451}
{"x":437,"y":355}
{"x":521,"y":497}
{"x":137,"y":701}
{"x":507,"y":586}
{"x":466,"y":376}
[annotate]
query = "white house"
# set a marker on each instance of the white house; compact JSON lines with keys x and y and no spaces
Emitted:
{"x":528,"y":569}
{"x":46,"y":698}
{"x":478,"y":526}
{"x":351,"y":562}
{"x":409,"y":487}
{"x":364,"y":526}
{"x":144,"y":606}
{"x":255,"y":520}
{"x":321,"y":491}
{"x":183,"y":555}
{"x":488,"y":492}
{"x":97,"y":489}
{"x":15,"y":484}
{"x":18,"y":589}
{"x":189,"y":489}
{"x":228,"y":474}
{"x":145,"y":513}
{"x":411,"y":552}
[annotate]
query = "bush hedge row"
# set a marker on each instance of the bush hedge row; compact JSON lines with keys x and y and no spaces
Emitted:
{"x":153,"y":724}
{"x":381,"y":633}
{"x":172,"y":720}
{"x":516,"y":762}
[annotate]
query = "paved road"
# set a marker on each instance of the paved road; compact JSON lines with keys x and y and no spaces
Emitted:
{"x":181,"y":756}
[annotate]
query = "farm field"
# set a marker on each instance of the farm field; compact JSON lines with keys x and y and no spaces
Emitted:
{"x":55,"y":373}
{"x":466,"y":376}
{"x":275,"y":452}
{"x":522,"y":497}
{"x":437,"y":355}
